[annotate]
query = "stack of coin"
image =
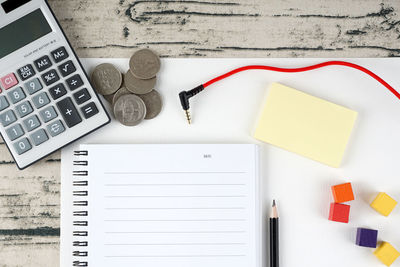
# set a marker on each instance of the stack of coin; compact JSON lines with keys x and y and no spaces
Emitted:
{"x":131,"y":95}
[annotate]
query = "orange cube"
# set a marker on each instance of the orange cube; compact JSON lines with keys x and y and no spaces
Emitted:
{"x":342,"y":193}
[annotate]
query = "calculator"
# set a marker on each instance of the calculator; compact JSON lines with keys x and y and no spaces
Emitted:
{"x":46,"y":99}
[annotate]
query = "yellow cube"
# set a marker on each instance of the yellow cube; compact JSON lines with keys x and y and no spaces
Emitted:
{"x":383,"y":204}
{"x":386,"y":253}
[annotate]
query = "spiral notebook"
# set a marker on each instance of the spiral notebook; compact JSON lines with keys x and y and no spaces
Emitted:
{"x":160,"y":206}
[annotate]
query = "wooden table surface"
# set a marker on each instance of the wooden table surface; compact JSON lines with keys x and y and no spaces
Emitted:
{"x":30,"y":199}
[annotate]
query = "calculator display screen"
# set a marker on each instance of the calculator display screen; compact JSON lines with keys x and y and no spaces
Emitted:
{"x":23,"y":31}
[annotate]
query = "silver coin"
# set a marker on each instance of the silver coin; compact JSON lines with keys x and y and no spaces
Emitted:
{"x":130,"y":110}
{"x":106,"y":79}
{"x":153,"y":104}
{"x":145,"y":64}
{"x":119,"y":93}
{"x":139,"y":86}
{"x":109,"y":98}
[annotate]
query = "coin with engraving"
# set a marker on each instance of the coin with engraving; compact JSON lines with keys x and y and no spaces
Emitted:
{"x":144,"y":64}
{"x":153,"y":104}
{"x":139,"y":86}
{"x":106,"y":79}
{"x":109,"y":98}
{"x":119,"y":93}
{"x":123,"y":81}
{"x":130,"y":110}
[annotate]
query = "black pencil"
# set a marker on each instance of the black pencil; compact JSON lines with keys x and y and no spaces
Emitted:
{"x":274,"y":236}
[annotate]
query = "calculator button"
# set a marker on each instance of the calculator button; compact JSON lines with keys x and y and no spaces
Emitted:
{"x":40,"y":100}
{"x":58,"y":91}
{"x":33,"y":86}
{"x":15,"y":132}
{"x":67,"y":68}
{"x":22,"y":146}
{"x":42,"y":63}
{"x":9,"y":81}
{"x":31,"y":123}
{"x":48,"y":114}
{"x":82,"y":96}
{"x":50,"y":77}
{"x":3,"y":103}
{"x":7,"y":118}
{"x":69,"y":112}
{"x":89,"y":110}
{"x":39,"y":137}
{"x":26,"y":72}
{"x":60,"y":54}
{"x":74,"y":82}
{"x":24,"y":109}
{"x":55,"y":128}
{"x":16,"y":95}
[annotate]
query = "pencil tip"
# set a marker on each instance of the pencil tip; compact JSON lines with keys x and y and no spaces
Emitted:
{"x":273,"y":203}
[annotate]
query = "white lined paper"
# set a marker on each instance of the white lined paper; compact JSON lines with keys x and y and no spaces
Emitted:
{"x":169,"y":205}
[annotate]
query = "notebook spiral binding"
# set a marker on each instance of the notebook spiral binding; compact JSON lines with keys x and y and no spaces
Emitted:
{"x":80,"y":213}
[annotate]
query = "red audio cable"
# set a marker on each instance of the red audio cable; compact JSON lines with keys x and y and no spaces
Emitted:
{"x":186,"y":95}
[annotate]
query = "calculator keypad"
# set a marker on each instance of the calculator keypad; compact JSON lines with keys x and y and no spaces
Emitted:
{"x":32,"y":123}
{"x":16,"y":95}
{"x":50,"y":77}
{"x":69,"y":112}
{"x":43,"y":63}
{"x":74,"y":82}
{"x":15,"y":132}
{"x":67,"y":68}
{"x":3,"y":103}
{"x":7,"y":118}
{"x":9,"y":81}
{"x":89,"y":110}
{"x":82,"y":96}
{"x":55,"y":128}
{"x":58,"y":91}
{"x":48,"y":114}
{"x":39,"y":137}
{"x":24,"y":109}
{"x":33,"y":86}
{"x":40,"y":100}
{"x":26,"y":72}
{"x":27,"y":112}
{"x":59,"y":54}
{"x":22,"y":146}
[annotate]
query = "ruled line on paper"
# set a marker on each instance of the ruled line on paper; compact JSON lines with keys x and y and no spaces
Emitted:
{"x":177,"y":220}
{"x":110,"y":185}
{"x":181,"y":232}
{"x":169,"y":208}
{"x":174,"y":256}
{"x":178,"y":244}
{"x":197,"y":172}
{"x":189,"y":196}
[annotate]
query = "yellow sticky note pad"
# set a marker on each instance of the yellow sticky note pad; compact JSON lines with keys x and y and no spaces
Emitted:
{"x":304,"y":124}
{"x":386,"y":253}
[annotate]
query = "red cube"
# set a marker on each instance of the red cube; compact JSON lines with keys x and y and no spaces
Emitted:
{"x":339,"y":213}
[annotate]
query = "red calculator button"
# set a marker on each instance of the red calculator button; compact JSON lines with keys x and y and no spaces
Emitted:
{"x":9,"y":81}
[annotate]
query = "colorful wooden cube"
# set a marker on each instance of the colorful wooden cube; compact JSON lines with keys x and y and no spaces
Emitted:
{"x":342,"y":193}
{"x":384,"y":204}
{"x":339,"y":212}
{"x":367,"y":237}
{"x":386,"y":253}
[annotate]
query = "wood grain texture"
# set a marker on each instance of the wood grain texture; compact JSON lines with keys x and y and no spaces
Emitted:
{"x":29,"y":200}
{"x":235,"y":28}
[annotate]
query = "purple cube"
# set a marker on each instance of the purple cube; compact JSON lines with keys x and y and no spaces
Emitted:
{"x":367,"y":237}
